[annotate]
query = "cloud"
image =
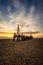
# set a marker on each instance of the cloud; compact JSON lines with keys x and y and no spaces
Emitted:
{"x":27,"y":23}
{"x":4,"y":25}
{"x":9,"y":9}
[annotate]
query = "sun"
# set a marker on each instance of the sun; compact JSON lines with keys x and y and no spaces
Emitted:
{"x":6,"y":35}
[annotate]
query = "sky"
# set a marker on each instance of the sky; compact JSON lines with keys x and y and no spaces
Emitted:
{"x":27,"y":13}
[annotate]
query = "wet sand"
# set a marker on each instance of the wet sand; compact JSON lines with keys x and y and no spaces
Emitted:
{"x":28,"y":52}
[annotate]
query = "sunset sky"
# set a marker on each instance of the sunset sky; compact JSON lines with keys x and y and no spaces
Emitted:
{"x":28,"y":13}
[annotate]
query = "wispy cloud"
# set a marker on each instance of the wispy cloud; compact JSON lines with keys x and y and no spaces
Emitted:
{"x":28,"y":22}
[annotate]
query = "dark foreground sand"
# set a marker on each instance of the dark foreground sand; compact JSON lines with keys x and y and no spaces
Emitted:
{"x":28,"y":52}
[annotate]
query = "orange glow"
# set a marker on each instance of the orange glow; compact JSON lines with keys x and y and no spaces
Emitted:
{"x":6,"y":35}
{"x":39,"y":35}
{"x":10,"y":35}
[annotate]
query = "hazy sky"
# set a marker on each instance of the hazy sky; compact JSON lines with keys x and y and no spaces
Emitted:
{"x":29,"y":13}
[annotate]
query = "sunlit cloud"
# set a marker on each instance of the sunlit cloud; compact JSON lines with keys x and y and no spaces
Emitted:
{"x":21,"y":19}
{"x":30,"y":21}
